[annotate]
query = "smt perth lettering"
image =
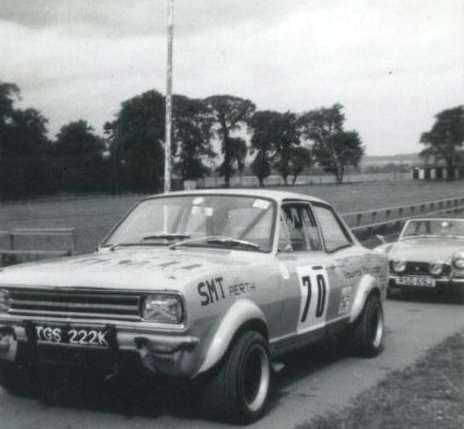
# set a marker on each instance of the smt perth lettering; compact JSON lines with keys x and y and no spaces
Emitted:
{"x":212,"y":291}
{"x":314,"y":289}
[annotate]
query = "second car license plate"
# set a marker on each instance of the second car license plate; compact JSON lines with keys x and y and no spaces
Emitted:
{"x":420,"y":281}
{"x":71,"y":335}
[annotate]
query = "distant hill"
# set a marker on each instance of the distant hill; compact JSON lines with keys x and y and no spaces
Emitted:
{"x":402,"y":158}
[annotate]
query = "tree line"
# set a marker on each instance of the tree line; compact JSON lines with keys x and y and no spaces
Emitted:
{"x":217,"y":134}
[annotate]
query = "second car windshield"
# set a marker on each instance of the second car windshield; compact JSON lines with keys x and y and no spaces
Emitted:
{"x":165,"y":220}
{"x":435,"y":228}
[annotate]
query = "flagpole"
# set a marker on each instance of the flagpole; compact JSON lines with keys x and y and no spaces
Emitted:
{"x":168,"y":129}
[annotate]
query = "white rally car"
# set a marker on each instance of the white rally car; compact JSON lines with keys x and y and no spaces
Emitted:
{"x":212,"y":284}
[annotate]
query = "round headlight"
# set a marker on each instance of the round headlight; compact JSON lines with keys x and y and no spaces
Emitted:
{"x":458,"y":260}
{"x":399,"y":266}
{"x":4,"y":300}
{"x":436,"y":268}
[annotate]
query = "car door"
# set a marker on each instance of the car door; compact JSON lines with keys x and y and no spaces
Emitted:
{"x":311,"y":273}
{"x":345,"y":262}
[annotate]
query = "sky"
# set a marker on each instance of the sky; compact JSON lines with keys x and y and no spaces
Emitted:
{"x":392,"y":64}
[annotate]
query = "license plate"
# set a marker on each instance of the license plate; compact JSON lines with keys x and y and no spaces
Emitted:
{"x":416,"y":281}
{"x":71,"y":335}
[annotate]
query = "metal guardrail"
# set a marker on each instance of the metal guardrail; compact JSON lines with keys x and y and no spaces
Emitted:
{"x":370,"y":220}
{"x":11,"y":254}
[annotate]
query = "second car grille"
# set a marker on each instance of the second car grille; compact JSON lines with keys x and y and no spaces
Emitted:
{"x":75,"y":304}
{"x":421,"y":269}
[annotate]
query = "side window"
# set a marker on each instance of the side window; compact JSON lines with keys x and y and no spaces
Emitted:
{"x":298,"y":230}
{"x":334,"y":235}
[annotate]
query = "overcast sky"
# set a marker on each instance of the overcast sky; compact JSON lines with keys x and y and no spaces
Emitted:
{"x":393,"y":64}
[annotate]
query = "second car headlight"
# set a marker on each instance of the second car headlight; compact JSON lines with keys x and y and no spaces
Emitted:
{"x":4,"y":301}
{"x":163,"y":308}
{"x":398,"y":266}
{"x":458,"y":260}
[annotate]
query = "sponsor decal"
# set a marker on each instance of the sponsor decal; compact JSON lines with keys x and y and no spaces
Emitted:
{"x":214,"y":290}
{"x":211,"y":291}
{"x":241,"y":288}
{"x":345,"y":299}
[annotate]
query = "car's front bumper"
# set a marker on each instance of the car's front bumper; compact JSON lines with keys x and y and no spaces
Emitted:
{"x":171,"y":354}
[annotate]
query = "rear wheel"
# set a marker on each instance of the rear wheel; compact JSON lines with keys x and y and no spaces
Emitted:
{"x":367,"y":336}
{"x":238,"y":389}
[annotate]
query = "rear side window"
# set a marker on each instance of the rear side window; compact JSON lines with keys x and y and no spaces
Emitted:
{"x":335,"y":236}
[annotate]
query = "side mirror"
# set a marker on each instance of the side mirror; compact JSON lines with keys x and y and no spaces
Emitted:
{"x":381,"y":238}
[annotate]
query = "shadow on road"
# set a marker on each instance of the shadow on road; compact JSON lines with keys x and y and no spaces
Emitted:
{"x":136,"y":395}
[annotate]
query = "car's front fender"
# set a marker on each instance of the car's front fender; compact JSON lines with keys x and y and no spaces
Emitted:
{"x":238,"y":315}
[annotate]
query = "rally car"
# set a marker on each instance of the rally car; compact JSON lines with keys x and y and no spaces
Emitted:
{"x":212,"y":285}
{"x":429,"y":255}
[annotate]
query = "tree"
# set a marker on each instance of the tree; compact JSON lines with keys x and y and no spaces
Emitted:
{"x":446,"y":138}
{"x":192,"y":133}
{"x":136,"y":139}
{"x":333,"y":148}
{"x":80,"y":161}
{"x":300,"y":159}
{"x":230,"y":115}
{"x":287,"y":138}
{"x":263,"y":142}
{"x":23,"y":139}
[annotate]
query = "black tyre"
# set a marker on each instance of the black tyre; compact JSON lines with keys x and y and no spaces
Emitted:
{"x":238,"y":388}
{"x":367,"y":336}
{"x":17,"y":380}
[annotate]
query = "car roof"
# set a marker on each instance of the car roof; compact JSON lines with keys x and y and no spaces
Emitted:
{"x":278,"y":196}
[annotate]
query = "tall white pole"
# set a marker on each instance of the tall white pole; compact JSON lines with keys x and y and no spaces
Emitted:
{"x":168,"y":130}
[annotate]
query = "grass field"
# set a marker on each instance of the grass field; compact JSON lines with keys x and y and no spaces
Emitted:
{"x":427,"y":395}
{"x":93,"y":216}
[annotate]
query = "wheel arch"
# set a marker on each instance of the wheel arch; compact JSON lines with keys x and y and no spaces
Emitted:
{"x":368,"y":286}
{"x":243,"y":316}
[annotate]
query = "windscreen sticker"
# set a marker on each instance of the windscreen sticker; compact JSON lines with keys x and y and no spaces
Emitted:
{"x":345,"y":299}
{"x":205,"y":211}
{"x":261,"y":204}
{"x":198,"y":200}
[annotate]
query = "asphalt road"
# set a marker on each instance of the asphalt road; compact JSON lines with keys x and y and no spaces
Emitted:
{"x":312,"y":382}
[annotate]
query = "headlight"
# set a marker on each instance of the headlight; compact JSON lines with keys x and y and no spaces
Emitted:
{"x":398,"y":266}
{"x":162,"y":308}
{"x":4,"y":301}
{"x":436,"y":268}
{"x":458,"y":260}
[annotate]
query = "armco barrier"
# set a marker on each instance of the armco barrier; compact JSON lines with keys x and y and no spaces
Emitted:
{"x":366,"y":222}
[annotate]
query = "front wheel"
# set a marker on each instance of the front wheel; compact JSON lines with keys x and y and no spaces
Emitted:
{"x":367,"y":336}
{"x":238,"y":389}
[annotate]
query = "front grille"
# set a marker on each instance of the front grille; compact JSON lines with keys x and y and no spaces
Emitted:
{"x":420,"y":269}
{"x":76,"y":304}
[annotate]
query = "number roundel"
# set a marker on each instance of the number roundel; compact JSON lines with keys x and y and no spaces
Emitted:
{"x":313,"y":287}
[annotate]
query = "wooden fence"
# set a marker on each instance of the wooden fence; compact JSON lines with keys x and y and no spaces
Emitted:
{"x":21,"y":244}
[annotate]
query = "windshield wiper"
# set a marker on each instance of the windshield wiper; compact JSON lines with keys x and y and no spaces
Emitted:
{"x":136,"y":241}
{"x":234,"y":242}
{"x":217,"y":240}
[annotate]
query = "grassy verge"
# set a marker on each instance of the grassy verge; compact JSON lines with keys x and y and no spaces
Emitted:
{"x":94,"y":215}
{"x":427,"y":395}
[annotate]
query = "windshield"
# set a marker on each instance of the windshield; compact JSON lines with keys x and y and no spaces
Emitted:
{"x":434,"y":228}
{"x":167,"y":220}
